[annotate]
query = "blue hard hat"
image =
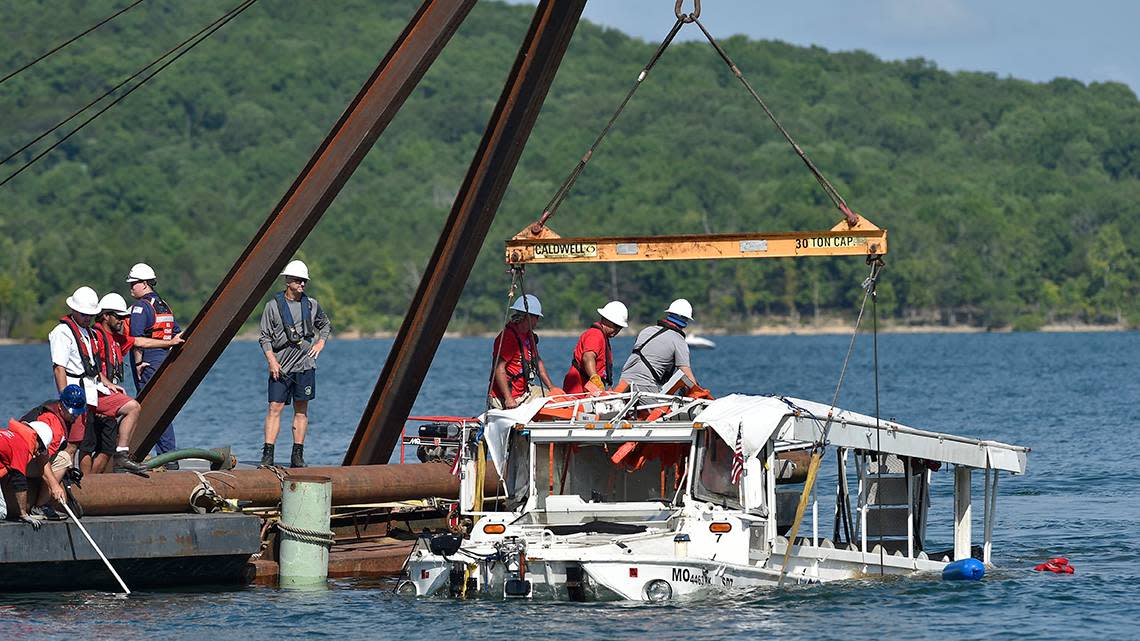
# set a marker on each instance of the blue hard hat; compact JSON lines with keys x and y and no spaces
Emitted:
{"x":74,"y":399}
{"x":528,"y":305}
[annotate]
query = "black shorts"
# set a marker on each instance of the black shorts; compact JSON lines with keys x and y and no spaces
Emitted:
{"x":298,"y":386}
{"x":101,"y":435}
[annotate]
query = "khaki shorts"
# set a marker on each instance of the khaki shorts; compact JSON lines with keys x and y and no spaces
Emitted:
{"x":497,"y":403}
{"x":59,"y":464}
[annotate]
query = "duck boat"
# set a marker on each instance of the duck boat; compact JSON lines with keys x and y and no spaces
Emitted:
{"x":653,"y":496}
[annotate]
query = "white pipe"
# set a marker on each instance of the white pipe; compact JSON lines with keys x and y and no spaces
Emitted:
{"x":90,"y":540}
{"x":909,"y":509}
{"x":991,"y":516}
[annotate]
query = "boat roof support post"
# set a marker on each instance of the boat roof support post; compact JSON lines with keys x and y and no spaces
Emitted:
{"x":466,"y":228}
{"x":296,"y":214}
{"x":990,"y":515}
{"x":962,"y":512}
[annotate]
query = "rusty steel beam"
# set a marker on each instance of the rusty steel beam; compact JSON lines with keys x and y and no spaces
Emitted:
{"x":166,"y":492}
{"x":296,"y":214}
{"x":463,"y":235}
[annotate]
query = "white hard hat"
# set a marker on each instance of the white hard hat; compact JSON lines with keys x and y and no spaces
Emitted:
{"x":141,"y":271}
{"x":681,"y":307}
{"x":529,"y":306}
{"x":43,"y":431}
{"x":84,"y":301}
{"x":616,"y":313}
{"x":113,"y":303}
{"x":296,"y":269}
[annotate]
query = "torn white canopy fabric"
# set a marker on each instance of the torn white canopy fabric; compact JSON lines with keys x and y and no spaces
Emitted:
{"x":756,"y":418}
{"x":497,"y":426}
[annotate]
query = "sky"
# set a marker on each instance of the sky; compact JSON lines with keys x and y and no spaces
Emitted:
{"x":1090,"y":40}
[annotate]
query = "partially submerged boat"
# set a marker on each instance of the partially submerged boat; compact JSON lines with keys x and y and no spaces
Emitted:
{"x":650,"y":496}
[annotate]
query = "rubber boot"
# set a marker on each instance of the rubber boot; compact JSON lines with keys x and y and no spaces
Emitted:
{"x":266,"y":455}
{"x":123,"y":461}
{"x":298,"y":458}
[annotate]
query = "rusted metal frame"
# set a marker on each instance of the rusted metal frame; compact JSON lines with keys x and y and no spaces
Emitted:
{"x":463,"y":235}
{"x":548,"y":247}
{"x":296,"y":214}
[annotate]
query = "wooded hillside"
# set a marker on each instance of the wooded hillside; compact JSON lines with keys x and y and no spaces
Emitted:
{"x":1008,"y":202}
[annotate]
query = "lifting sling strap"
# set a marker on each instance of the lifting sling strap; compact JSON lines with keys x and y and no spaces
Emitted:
{"x":293,"y":336}
{"x":660,"y":379}
{"x":86,"y":350}
{"x":608,"y":379}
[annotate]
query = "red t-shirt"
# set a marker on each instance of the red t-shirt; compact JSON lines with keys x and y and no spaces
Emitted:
{"x":122,"y":346}
{"x":513,"y":350}
{"x":591,"y":340}
{"x":15,"y":447}
{"x":58,"y":431}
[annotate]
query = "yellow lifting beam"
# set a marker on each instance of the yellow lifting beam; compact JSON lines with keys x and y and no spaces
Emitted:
{"x":540,"y":244}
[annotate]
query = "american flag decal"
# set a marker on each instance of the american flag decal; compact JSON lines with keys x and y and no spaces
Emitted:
{"x":738,"y":456}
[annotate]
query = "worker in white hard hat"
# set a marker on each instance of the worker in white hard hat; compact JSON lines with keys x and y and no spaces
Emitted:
{"x":108,"y":434}
{"x":592,"y":365}
{"x":294,"y":330}
{"x":659,"y":351}
{"x":518,"y":373}
{"x":155,"y":332}
{"x":73,"y":357}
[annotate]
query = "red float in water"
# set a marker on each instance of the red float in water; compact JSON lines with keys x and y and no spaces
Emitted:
{"x":1058,"y":565}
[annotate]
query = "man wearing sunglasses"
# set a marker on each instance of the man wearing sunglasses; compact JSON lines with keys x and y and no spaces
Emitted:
{"x":294,"y":329}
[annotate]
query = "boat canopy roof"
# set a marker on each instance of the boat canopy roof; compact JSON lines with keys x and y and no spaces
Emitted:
{"x":754,"y":420}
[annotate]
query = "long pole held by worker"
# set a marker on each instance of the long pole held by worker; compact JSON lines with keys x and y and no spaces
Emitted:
{"x":110,"y":567}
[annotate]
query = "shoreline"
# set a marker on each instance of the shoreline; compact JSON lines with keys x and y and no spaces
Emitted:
{"x":819,"y":329}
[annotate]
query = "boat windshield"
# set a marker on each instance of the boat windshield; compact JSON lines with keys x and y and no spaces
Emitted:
{"x":609,"y":472}
{"x":714,"y":472}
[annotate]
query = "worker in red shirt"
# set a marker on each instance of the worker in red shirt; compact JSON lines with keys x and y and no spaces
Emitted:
{"x":109,"y":432}
{"x":60,"y":416}
{"x":518,"y":370}
{"x":20,"y":445}
{"x":592,"y":366}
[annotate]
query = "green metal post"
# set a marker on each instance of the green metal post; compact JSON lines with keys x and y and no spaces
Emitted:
{"x":306,"y":505}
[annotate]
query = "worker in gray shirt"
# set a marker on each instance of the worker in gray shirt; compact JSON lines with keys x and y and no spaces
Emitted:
{"x":290,"y":323}
{"x":660,"y":350}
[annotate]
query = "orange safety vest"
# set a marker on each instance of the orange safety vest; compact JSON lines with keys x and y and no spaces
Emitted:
{"x":163,"y":327}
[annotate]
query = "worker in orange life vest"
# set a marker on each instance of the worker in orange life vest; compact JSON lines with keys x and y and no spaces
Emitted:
{"x":58,"y":415}
{"x":592,"y":366}
{"x":518,"y":370}
{"x":20,"y":445}
{"x":109,"y":432}
{"x":75,"y":361}
{"x":155,"y":332}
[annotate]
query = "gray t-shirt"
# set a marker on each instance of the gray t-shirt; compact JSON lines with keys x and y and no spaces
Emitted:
{"x":292,"y":358}
{"x":665,"y":354}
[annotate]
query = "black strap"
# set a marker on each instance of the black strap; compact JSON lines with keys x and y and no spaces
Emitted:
{"x":665,"y":327}
{"x":87,"y":354}
{"x":529,"y":365}
{"x":308,"y":330}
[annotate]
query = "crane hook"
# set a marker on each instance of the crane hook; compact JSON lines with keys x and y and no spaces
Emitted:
{"x":687,"y":17}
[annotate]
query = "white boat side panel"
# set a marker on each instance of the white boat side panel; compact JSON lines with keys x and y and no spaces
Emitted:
{"x":1003,"y":459}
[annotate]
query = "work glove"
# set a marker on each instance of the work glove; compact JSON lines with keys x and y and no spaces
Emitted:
{"x":34,"y":520}
{"x":595,"y":384}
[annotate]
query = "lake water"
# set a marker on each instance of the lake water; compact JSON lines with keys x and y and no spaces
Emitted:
{"x":1073,"y":398}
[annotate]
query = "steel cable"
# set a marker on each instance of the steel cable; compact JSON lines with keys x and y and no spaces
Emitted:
{"x":200,"y":37}
{"x":828,"y":188}
{"x":48,"y":53}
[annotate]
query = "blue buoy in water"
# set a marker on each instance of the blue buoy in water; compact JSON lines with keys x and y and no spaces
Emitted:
{"x":964,"y":570}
